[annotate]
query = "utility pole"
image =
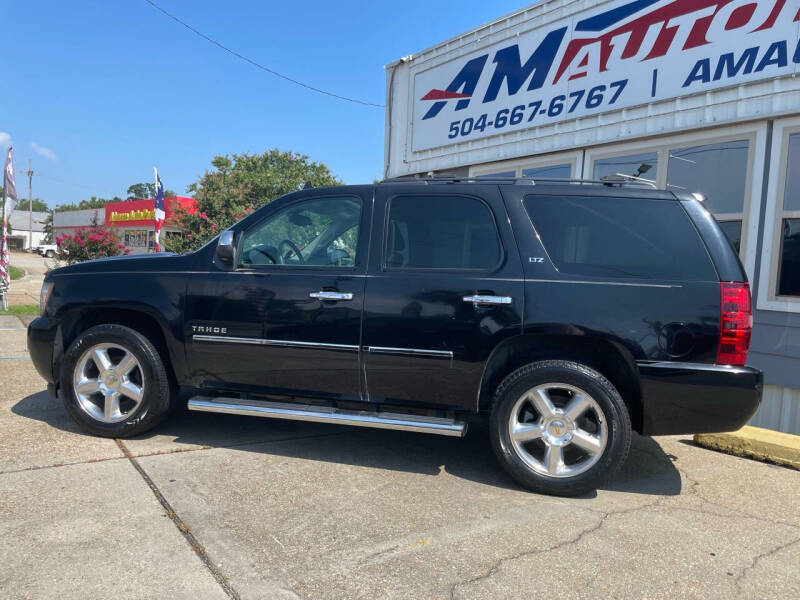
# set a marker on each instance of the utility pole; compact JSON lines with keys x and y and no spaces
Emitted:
{"x":30,"y":205}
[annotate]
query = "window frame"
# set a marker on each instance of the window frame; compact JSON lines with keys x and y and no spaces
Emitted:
{"x":517,"y":165}
{"x":385,"y":244}
{"x":754,"y":133}
{"x":358,"y":260}
{"x":768,"y":298}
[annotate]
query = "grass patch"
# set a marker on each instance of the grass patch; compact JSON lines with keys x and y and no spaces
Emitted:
{"x":22,"y":310}
{"x":15,"y":272}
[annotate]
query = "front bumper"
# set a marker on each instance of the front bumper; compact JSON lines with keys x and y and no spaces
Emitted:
{"x":682,"y":398}
{"x":44,"y":346}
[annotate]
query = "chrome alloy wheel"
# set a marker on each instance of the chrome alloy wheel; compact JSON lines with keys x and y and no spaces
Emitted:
{"x":558,"y":430}
{"x":108,"y":383}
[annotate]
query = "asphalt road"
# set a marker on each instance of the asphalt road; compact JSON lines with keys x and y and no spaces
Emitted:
{"x":218,"y":506}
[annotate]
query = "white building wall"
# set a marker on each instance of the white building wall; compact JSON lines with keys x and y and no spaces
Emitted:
{"x":780,"y":410}
{"x":737,"y":103}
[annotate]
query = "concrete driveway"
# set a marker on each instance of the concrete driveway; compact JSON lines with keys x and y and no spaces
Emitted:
{"x":26,"y":290}
{"x":217,"y":506}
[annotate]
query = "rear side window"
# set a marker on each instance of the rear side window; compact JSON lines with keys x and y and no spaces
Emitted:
{"x":441,"y":232}
{"x":620,"y":237}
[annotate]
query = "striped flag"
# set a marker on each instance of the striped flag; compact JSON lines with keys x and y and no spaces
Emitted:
{"x":9,"y":200}
{"x":160,"y":211}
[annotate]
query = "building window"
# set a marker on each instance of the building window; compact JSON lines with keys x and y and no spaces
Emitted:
{"x":135,"y":238}
{"x":788,"y":280}
{"x":562,"y":165}
{"x":562,"y":171}
{"x":495,"y":175}
{"x":642,"y":167}
{"x":718,"y":172}
{"x":779,"y":286}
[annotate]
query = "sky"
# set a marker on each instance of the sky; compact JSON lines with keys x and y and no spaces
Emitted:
{"x":97,"y":92}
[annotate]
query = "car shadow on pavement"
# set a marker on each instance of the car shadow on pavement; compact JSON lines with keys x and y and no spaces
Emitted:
{"x":648,"y":470}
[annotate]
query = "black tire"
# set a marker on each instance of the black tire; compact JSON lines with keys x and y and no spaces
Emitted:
{"x":158,"y":387}
{"x":50,"y":254}
{"x":615,"y":414}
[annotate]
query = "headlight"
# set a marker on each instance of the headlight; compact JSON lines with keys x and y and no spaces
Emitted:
{"x":44,"y":295}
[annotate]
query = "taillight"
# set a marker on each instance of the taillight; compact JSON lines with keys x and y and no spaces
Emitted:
{"x":735,"y":323}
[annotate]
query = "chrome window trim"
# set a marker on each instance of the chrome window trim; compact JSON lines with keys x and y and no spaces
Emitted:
{"x":409,"y":351}
{"x":263,"y":342}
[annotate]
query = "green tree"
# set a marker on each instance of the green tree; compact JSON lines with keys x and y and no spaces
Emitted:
{"x":93,"y":202}
{"x":38,"y":205}
{"x":141,"y":191}
{"x":240,"y":184}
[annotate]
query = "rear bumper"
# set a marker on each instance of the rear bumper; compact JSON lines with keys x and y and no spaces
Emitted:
{"x":43,"y":344}
{"x":681,"y":398}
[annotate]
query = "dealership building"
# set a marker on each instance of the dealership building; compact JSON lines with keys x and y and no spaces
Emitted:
{"x":133,"y":221}
{"x":699,"y":96}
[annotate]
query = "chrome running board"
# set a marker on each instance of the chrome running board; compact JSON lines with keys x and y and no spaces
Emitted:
{"x":326,"y":414}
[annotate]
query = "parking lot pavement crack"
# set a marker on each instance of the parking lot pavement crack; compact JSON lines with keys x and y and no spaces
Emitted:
{"x":729,"y":514}
{"x":605,"y":515}
{"x":65,"y":464}
{"x":757,"y":559}
{"x":195,"y":545}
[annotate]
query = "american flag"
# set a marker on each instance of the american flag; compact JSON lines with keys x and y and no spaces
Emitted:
{"x":9,"y":200}
{"x":160,"y":211}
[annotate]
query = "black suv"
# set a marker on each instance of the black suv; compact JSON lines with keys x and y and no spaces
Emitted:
{"x":566,"y":313}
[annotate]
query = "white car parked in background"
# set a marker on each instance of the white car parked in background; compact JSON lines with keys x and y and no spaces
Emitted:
{"x":47,"y":250}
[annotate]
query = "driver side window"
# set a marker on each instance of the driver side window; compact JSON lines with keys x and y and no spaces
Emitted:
{"x":322,"y":232}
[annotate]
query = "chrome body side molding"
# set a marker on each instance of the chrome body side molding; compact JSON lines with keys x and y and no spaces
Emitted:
{"x":409,"y":351}
{"x":224,"y":339}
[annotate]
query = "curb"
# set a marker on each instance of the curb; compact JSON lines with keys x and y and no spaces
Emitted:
{"x":754,"y":442}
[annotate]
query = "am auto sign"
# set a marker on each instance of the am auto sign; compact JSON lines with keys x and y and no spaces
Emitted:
{"x":619,"y":55}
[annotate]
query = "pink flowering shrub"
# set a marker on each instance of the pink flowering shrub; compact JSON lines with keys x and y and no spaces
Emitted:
{"x":87,"y":243}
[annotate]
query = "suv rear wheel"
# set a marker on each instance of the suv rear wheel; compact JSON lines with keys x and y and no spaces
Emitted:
{"x":114,"y":382}
{"x":559,"y":427}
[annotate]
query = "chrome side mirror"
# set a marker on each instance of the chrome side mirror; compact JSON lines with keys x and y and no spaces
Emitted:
{"x":225,"y":249}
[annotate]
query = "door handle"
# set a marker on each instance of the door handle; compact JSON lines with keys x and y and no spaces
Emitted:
{"x":321,"y":295}
{"x":493,"y":300}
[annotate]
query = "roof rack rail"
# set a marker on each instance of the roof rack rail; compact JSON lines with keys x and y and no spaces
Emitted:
{"x":611,"y":180}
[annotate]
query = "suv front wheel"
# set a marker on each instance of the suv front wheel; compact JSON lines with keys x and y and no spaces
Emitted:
{"x":114,"y":382}
{"x":559,"y":427}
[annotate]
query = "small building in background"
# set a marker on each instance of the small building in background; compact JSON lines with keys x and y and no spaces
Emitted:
{"x":132,"y":220}
{"x":68,"y":222}
{"x":20,"y":224}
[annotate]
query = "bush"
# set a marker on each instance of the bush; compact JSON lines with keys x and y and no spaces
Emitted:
{"x":88,"y":243}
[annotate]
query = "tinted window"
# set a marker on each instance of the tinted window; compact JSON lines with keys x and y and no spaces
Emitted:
{"x":718,"y":171}
{"x":733,"y":231}
{"x":620,"y":237}
{"x":441,"y":232}
{"x":321,"y":232}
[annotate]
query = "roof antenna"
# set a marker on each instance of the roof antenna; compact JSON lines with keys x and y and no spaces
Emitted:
{"x":308,"y":185}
